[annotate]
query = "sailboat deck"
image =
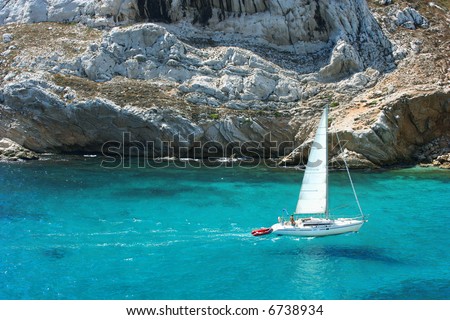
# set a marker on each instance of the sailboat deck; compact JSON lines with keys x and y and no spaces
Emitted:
{"x":313,"y":222}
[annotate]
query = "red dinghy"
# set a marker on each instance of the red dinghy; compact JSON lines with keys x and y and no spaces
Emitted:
{"x":262,"y":231}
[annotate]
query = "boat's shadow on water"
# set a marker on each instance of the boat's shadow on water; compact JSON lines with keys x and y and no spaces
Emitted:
{"x":54,"y":253}
{"x":366,"y":253}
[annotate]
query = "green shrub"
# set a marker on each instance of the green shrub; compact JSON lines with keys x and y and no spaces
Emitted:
{"x":214,"y":116}
{"x":334,"y":104}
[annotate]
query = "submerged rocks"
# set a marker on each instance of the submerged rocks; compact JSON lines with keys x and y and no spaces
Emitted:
{"x":12,"y":151}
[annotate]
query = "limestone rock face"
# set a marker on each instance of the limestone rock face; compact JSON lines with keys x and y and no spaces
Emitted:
{"x":404,"y":125}
{"x":94,"y":13}
{"x":220,"y":74}
{"x":303,"y":27}
{"x":232,"y":77}
{"x":279,"y":22}
{"x":35,"y":116}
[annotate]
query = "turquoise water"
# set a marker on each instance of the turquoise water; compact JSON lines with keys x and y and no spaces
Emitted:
{"x":73,"y":230}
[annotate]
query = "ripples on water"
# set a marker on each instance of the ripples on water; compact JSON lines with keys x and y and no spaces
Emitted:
{"x":72,"y":230}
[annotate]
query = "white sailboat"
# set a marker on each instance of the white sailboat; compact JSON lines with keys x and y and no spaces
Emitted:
{"x":311,"y":217}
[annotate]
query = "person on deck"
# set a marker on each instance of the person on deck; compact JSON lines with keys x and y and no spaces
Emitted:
{"x":292,"y":220}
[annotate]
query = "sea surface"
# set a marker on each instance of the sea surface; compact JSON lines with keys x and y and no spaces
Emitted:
{"x":70,"y":229}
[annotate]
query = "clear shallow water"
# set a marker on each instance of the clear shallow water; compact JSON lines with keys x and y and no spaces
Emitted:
{"x":72,"y":230}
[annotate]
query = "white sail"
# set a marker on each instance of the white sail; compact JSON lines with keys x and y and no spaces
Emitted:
{"x":314,"y":190}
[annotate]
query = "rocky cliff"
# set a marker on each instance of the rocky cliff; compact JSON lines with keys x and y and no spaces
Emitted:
{"x":200,"y":78}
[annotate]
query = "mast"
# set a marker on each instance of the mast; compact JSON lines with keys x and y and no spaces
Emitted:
{"x":326,"y":161}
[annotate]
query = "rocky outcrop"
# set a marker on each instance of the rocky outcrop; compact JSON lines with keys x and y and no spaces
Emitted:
{"x":442,"y":161}
{"x":409,"y":18}
{"x":301,"y":27}
{"x":35,"y":115}
{"x":231,"y":77}
{"x":91,"y":12}
{"x":221,"y":78}
{"x":406,"y":122}
{"x":12,"y":151}
{"x":434,"y":152}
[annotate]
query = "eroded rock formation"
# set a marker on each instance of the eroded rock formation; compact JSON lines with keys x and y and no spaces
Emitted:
{"x":255,"y":74}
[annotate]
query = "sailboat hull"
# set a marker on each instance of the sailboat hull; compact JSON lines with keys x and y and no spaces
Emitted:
{"x":318,"y":228}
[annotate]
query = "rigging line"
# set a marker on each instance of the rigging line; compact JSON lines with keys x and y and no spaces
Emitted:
{"x":349,"y":176}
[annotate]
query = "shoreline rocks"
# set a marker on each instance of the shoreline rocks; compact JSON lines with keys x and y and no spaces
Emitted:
{"x":12,"y":151}
{"x":353,"y":159}
{"x":442,"y":161}
{"x":435,"y":154}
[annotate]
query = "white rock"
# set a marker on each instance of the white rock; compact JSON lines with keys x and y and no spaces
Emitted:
{"x":6,"y":53}
{"x":221,"y":75}
{"x":177,"y":74}
{"x":416,"y":45}
{"x":258,"y":86}
{"x":231,"y":85}
{"x":91,"y":12}
{"x":410,"y":18}
{"x":238,"y":59}
{"x":344,"y":60}
{"x":399,"y":53}
{"x":99,"y":68}
{"x":132,"y":67}
{"x":7,"y":37}
{"x":301,"y":26}
{"x":287,"y":90}
{"x":10,"y":76}
{"x":206,"y":85}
